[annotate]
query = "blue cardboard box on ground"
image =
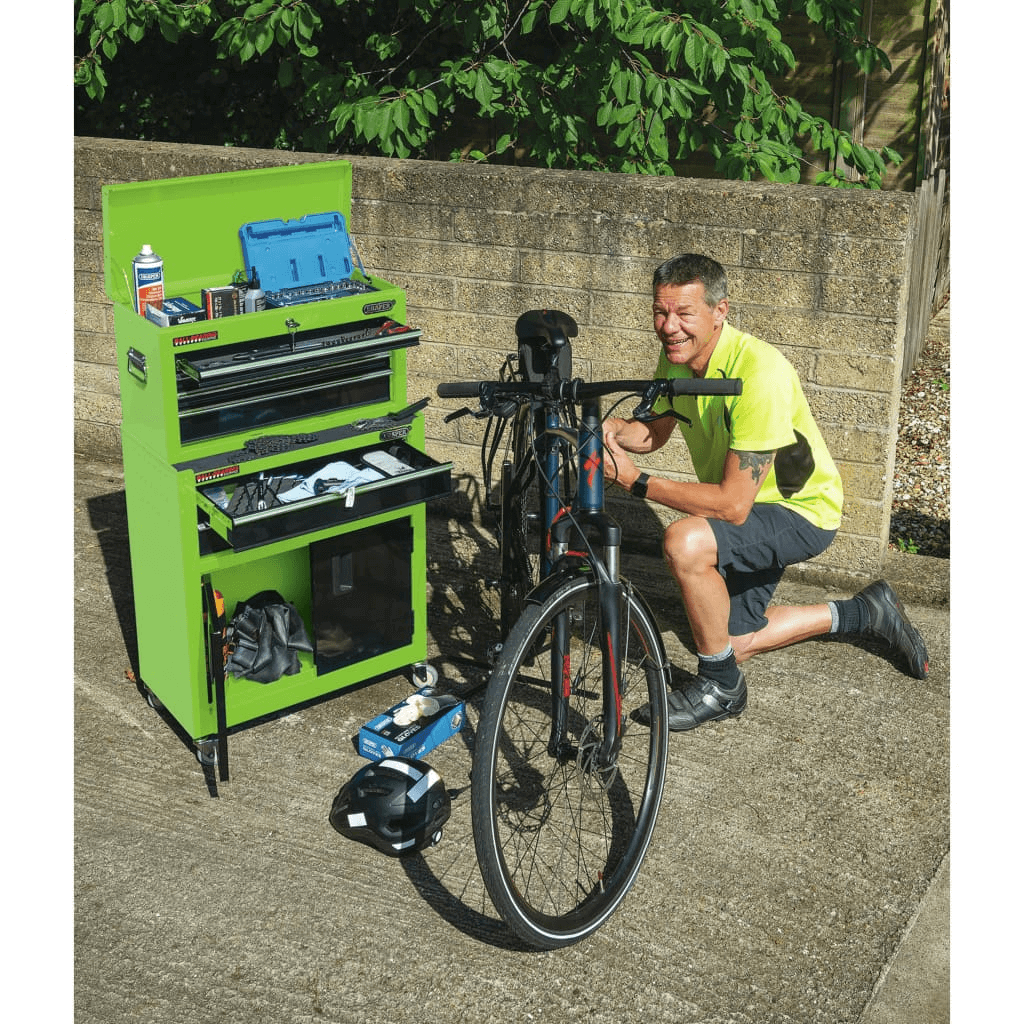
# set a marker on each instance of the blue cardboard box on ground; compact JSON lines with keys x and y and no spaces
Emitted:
{"x":413,"y":727}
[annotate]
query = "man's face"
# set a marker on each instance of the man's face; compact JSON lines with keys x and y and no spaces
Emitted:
{"x":686,"y":327}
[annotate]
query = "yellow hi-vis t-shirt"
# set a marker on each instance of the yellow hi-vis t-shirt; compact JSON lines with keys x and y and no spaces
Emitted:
{"x":771,"y":414}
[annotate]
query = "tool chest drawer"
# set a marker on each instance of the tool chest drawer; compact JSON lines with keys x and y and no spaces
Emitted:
{"x":232,"y":389}
{"x":305,"y":497}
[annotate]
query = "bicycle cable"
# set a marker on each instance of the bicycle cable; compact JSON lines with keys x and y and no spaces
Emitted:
{"x":565,"y":507}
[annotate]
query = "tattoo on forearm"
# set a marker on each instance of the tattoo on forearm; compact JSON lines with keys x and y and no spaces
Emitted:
{"x":757,"y":463}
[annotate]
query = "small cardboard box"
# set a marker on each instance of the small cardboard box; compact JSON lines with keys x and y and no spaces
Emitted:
{"x":175,"y":311}
{"x":223,"y":301}
{"x":409,"y":736}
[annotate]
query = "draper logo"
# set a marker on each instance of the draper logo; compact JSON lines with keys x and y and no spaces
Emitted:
{"x":379,"y":307}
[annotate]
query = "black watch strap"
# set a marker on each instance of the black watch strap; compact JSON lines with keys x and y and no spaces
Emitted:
{"x":639,"y":488}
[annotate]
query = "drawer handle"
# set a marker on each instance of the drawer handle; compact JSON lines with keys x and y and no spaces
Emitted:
{"x":137,"y":364}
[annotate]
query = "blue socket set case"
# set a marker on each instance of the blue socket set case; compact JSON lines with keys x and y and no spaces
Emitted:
{"x":304,"y":260}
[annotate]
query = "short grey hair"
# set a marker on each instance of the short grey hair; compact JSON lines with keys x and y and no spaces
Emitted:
{"x":690,"y":267}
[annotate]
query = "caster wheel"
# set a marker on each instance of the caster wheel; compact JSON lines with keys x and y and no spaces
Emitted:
{"x":154,"y":701}
{"x":206,"y":752}
{"x":424,"y":674}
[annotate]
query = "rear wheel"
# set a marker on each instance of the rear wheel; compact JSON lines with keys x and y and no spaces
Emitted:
{"x":518,"y":566}
{"x":560,"y":838}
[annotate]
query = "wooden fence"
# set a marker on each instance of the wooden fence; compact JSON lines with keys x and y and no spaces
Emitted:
{"x":929,"y":282}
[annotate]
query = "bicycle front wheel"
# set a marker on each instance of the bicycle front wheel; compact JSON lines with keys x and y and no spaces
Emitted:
{"x":560,"y":838}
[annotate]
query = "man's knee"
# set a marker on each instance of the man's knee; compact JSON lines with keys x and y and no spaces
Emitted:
{"x":689,"y":544}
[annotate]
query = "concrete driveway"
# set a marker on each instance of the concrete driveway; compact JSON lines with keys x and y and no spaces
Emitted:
{"x":799,"y":869}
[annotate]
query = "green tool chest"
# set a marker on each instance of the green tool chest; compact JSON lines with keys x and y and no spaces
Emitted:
{"x":270,"y":450}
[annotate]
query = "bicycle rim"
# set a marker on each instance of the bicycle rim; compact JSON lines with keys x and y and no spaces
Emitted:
{"x":560,"y":843}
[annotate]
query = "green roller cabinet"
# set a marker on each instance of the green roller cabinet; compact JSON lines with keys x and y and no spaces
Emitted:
{"x":234,"y":431}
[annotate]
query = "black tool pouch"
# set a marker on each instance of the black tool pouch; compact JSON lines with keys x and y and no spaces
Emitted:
{"x":264,"y":637}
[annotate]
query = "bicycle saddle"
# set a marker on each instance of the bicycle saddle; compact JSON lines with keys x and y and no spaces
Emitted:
{"x":544,"y":342}
{"x":549,"y":324}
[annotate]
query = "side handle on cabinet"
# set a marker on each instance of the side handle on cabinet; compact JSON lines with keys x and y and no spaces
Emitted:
{"x":137,"y":364}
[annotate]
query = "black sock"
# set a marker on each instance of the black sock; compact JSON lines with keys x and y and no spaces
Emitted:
{"x":849,"y":616}
{"x":721,"y":669}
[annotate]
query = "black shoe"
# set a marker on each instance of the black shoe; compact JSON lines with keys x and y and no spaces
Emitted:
{"x":889,"y":622}
{"x":699,"y":702}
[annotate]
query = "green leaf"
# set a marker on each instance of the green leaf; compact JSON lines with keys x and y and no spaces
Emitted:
{"x":258,"y":10}
{"x":559,"y":11}
{"x":484,"y":91}
{"x":718,"y":61}
{"x":620,"y":86}
{"x":305,"y":22}
{"x":264,"y":37}
{"x":693,"y":52}
{"x":400,"y":115}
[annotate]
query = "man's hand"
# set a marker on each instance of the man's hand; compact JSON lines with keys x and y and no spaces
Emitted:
{"x":619,"y":468}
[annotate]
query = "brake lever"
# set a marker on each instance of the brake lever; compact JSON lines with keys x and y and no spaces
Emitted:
{"x":647,"y":416}
{"x":643,"y":413}
{"x":503,"y":410}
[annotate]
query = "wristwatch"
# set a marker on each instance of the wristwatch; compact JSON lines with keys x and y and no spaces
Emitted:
{"x":639,"y":488}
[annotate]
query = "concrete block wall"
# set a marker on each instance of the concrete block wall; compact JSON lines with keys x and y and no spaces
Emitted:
{"x":823,"y":274}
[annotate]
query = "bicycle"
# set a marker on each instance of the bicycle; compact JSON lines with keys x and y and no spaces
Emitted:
{"x":566,"y":781}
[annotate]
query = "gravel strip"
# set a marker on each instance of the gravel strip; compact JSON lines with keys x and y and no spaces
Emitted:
{"x":920,"y":507}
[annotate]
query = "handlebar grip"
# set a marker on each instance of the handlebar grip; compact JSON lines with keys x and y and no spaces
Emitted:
{"x":459,"y":389}
{"x":706,"y":386}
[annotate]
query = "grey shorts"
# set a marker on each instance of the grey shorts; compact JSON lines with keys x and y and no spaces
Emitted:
{"x":753,"y":557}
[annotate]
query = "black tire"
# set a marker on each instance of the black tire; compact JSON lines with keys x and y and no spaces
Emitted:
{"x":560,"y":846}
{"x":520,"y":566}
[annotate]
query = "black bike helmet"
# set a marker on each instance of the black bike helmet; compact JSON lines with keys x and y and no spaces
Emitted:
{"x":397,"y":806}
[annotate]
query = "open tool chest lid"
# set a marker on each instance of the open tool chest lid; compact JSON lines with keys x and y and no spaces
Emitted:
{"x":193,"y":222}
{"x":314,"y":249}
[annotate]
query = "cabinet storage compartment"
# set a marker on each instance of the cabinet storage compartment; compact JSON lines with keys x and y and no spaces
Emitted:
{"x":362,"y":594}
{"x":273,"y":450}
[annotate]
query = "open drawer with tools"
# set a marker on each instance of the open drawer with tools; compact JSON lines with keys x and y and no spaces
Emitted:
{"x":273,"y":451}
{"x":304,"y":497}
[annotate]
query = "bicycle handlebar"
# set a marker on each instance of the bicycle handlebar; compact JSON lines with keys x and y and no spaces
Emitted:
{"x":577,"y":389}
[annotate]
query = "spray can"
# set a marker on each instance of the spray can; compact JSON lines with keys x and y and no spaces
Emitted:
{"x":255,"y":299}
{"x":148,"y":280}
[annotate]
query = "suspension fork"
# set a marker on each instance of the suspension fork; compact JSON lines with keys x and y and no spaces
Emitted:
{"x":589,"y":517}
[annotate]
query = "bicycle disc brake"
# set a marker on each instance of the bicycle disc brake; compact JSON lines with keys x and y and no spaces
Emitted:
{"x":589,"y":760}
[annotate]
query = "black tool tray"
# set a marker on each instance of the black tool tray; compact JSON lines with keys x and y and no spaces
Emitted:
{"x":247,"y":511}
